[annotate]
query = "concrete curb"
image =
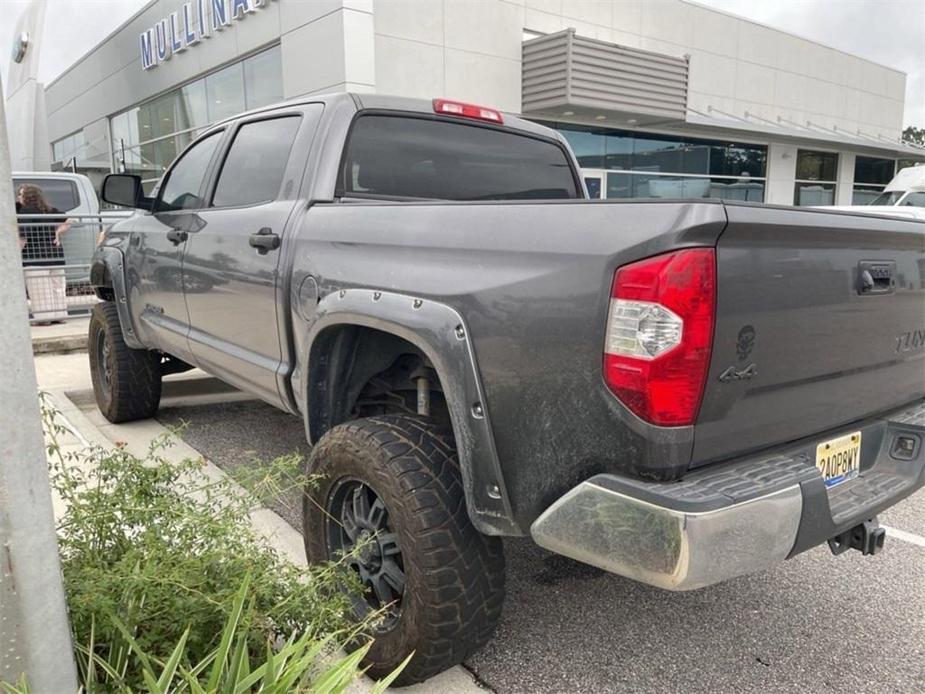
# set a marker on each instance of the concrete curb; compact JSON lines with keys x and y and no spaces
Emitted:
{"x":59,"y":345}
{"x":61,"y":338}
{"x":89,"y":426}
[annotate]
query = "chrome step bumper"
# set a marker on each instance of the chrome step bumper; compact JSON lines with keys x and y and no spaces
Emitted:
{"x":732,"y":519}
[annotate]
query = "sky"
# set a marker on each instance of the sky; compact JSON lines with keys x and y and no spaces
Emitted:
{"x":890,"y":32}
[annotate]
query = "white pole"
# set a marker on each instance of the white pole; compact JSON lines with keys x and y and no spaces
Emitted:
{"x":35,"y":639}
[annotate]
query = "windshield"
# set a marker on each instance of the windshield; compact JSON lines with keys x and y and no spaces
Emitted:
{"x":890,"y":198}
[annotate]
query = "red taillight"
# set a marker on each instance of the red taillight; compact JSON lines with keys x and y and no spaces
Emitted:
{"x":660,"y":334}
{"x":457,"y":108}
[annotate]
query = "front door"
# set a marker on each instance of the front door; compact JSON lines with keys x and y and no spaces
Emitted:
{"x":230,"y":270}
{"x":154,"y":272}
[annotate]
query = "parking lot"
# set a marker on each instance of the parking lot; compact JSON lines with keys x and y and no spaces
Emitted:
{"x":817,"y":623}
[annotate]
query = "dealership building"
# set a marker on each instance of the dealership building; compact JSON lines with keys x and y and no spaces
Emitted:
{"x":658,"y":98}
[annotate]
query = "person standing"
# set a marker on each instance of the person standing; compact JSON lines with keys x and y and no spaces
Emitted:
{"x":42,"y":254}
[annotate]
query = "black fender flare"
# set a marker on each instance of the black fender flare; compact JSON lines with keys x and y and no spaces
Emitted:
{"x":441,"y":334}
{"x":107,"y":269}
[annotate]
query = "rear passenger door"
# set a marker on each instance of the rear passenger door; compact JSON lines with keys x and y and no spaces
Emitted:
{"x":231,"y":269}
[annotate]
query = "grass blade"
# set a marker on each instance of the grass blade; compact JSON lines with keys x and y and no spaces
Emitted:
{"x":170,"y":667}
{"x":384,"y":683}
{"x":231,"y":627}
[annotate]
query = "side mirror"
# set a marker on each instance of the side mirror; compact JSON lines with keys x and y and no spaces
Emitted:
{"x":124,"y":190}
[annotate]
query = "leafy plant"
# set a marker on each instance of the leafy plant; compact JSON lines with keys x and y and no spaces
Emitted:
{"x":229,"y":668}
{"x":166,"y":579}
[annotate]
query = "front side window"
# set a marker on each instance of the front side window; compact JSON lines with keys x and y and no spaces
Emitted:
{"x":816,"y":176}
{"x":184,"y":181}
{"x":254,"y":168}
{"x":913,"y":200}
{"x":407,"y":157}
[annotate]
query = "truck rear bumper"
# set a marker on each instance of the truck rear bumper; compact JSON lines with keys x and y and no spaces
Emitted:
{"x":732,"y":519}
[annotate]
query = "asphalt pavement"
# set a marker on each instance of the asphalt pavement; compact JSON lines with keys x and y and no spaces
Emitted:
{"x":817,"y":623}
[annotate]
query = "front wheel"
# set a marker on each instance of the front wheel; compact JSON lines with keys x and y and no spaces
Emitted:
{"x":126,"y":381}
{"x":391,"y":497}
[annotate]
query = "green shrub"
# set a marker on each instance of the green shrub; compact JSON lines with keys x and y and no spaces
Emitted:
{"x":227,"y":669}
{"x":159,"y":563}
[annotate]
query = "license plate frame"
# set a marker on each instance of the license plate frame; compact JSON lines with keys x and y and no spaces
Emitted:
{"x":839,"y":460}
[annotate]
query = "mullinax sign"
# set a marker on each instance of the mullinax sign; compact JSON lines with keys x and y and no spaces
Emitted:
{"x":194,"y":21}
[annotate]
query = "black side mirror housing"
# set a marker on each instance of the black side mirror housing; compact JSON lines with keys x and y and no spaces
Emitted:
{"x":125,"y":190}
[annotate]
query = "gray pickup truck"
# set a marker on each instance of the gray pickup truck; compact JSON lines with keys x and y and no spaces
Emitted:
{"x":680,"y":392}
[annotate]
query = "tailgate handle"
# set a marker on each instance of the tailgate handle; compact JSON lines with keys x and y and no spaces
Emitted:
{"x":876,"y":277}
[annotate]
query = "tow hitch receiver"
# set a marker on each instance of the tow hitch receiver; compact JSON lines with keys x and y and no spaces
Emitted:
{"x":867,"y":538}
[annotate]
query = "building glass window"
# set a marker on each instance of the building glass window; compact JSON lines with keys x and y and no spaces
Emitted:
{"x":225,"y":92}
{"x":590,"y":147}
{"x":148,"y":137}
{"x":870,"y":178}
{"x":68,"y":148}
{"x":263,"y":80}
{"x":906,"y":163}
{"x":194,"y":104}
{"x":646,"y":165}
{"x":816,"y":177}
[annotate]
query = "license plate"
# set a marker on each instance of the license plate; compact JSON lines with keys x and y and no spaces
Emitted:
{"x":839,"y":460}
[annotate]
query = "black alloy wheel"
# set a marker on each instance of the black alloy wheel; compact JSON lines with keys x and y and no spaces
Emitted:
{"x":359,"y":528}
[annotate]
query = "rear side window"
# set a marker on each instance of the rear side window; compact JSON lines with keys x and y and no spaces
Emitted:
{"x":254,"y":168}
{"x":406,"y":157}
{"x":59,"y":192}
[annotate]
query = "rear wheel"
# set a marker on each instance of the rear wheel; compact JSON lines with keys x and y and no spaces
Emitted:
{"x":126,"y":381}
{"x":391,"y":494}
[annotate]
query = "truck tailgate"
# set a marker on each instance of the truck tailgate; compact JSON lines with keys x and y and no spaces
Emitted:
{"x":803,"y":343}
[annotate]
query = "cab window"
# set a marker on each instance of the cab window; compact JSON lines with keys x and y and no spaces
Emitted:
{"x":256,"y":163}
{"x":185,"y":180}
{"x":409,"y":157}
{"x":913,"y":200}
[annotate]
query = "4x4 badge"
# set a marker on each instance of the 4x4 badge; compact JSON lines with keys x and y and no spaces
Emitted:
{"x":734,"y":374}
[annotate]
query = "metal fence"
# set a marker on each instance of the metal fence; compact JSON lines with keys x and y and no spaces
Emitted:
{"x":56,"y":251}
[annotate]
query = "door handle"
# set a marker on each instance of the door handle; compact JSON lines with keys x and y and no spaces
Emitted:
{"x":264,"y":241}
{"x":177,"y":236}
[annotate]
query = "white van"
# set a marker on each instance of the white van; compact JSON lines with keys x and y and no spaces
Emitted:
{"x":904,"y":196}
{"x":907,"y":189}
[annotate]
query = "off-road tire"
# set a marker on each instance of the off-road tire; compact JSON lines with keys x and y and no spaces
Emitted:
{"x":454,"y":575}
{"x":133,"y":388}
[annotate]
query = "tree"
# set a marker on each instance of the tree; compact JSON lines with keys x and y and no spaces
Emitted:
{"x":914,"y":135}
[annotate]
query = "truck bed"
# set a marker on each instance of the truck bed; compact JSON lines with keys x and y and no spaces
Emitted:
{"x":533,"y":283}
